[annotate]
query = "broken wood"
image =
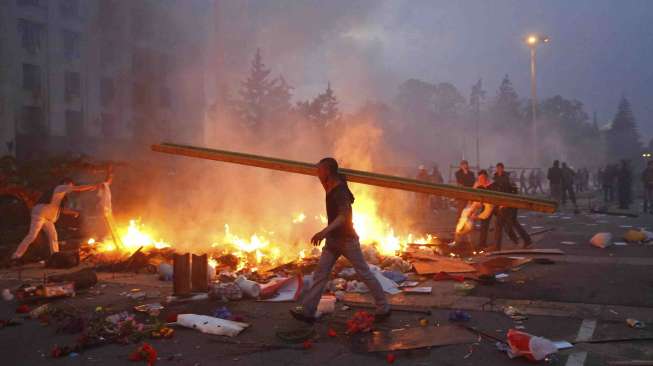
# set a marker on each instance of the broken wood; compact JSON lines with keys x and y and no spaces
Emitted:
{"x":412,"y":338}
{"x":358,"y":176}
{"x":181,"y":275}
{"x":528,"y":252}
{"x":399,"y":308}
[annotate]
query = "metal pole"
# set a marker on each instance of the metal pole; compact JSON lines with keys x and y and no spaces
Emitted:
{"x":478,"y":118}
{"x":534,"y":107}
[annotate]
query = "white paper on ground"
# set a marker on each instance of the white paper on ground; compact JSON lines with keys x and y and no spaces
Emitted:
{"x":388,"y":285}
{"x":563,"y":344}
{"x":409,"y":284}
{"x":210,"y":325}
{"x":620,"y":243}
{"x":568,"y":242}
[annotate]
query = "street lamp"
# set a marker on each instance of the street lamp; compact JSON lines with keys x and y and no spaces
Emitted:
{"x":533,"y":40}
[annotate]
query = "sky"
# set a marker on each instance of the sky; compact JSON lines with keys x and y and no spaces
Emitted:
{"x":600,"y":50}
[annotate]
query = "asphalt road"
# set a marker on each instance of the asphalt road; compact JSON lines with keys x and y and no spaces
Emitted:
{"x":616,"y":276}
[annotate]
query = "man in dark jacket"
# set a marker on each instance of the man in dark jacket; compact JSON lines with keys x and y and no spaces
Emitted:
{"x":554,"y":176}
{"x":568,"y":177}
{"x":507,"y":216}
{"x":647,"y":182}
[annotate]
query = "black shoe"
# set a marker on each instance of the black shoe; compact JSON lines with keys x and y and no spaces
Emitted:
{"x":382,"y":316}
{"x":298,"y":314}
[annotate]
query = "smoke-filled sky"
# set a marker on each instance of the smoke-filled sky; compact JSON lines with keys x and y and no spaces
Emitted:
{"x":600,"y":49}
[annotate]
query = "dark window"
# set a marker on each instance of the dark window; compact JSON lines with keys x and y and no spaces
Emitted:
{"x":164,"y":97}
{"x":69,"y":8}
{"x":28,"y":2}
{"x":73,"y":85}
{"x":109,"y":15}
{"x":31,"y":121}
{"x":139,"y":95}
{"x":108,"y":55}
{"x":109,"y":128}
{"x":30,"y":35}
{"x":31,"y":77}
{"x":71,"y":44}
{"x":107,"y":91}
{"x":74,"y":124}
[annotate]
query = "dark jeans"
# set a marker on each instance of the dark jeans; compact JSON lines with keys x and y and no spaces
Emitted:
{"x":608,"y":194}
{"x":507,"y":220}
{"x":648,"y":198}
{"x":568,"y":191}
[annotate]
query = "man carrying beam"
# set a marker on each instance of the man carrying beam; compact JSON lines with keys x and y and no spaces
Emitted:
{"x":341,"y":239}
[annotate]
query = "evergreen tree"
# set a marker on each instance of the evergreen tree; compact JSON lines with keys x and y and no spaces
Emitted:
{"x":322,"y":110}
{"x":277,"y":100}
{"x":622,"y":137}
{"x":506,"y":109}
{"x":255,"y":88}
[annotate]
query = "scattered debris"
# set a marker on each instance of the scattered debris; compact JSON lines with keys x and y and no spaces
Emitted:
{"x":634,"y":323}
{"x":527,"y":345}
{"x":412,"y":338}
{"x":601,"y":240}
{"x":211,"y":325}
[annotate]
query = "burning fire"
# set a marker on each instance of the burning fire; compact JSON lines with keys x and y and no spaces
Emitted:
{"x":134,"y":236}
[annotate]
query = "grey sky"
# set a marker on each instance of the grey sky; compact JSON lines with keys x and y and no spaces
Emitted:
{"x":600,"y":49}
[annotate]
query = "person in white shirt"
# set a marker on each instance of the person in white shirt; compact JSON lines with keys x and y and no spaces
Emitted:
{"x":46,"y":212}
{"x":104,"y":203}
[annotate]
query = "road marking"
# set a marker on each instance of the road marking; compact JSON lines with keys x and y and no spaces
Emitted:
{"x":586,"y":330}
{"x":576,"y":359}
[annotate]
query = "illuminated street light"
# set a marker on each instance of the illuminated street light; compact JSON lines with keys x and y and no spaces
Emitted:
{"x":646,"y":156}
{"x":533,"y":40}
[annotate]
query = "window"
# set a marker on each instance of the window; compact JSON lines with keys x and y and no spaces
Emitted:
{"x":165,"y":98}
{"x":71,"y":44}
{"x":107,"y":92}
{"x":74,"y":124}
{"x":72,"y":85}
{"x":69,"y":9}
{"x":31,"y":121}
{"x":108,"y":55}
{"x":109,"y":128}
{"x":35,"y":3}
{"x":30,"y":35}
{"x":139,"y":95}
{"x":31,"y":77}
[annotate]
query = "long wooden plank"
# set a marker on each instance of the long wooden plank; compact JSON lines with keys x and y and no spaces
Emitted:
{"x":358,"y":176}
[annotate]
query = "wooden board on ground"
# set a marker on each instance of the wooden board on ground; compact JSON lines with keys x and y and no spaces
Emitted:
{"x":411,"y":338}
{"x":493,"y":265}
{"x":527,"y":252}
{"x":442,"y":265}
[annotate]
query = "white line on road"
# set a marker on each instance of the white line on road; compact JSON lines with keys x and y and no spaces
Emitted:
{"x":576,"y":359}
{"x":586,"y":330}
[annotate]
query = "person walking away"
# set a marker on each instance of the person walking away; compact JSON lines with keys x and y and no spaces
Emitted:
{"x":608,"y":183}
{"x":341,"y":240}
{"x":568,"y":185}
{"x":523,"y":187}
{"x":464,"y":178}
{"x":624,"y":183}
{"x":554,"y":175}
{"x":647,"y":182}
{"x":507,"y":216}
{"x":45,"y":214}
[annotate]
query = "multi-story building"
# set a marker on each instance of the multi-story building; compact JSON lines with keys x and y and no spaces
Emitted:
{"x":93,"y":76}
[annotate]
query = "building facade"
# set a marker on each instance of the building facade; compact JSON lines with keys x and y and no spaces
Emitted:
{"x":101,"y":77}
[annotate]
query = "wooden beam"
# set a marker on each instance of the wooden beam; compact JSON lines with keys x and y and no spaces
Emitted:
{"x":358,"y":176}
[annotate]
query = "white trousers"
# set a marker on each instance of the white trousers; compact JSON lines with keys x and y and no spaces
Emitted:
{"x":38,"y":223}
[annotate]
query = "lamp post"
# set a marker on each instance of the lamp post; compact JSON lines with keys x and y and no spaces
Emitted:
{"x":533,"y":41}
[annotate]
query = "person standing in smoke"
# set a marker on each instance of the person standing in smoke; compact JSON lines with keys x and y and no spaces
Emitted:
{"x":422,"y":199}
{"x":647,"y":183}
{"x":624,"y":185}
{"x":554,"y":176}
{"x":568,"y":185}
{"x":436,"y":177}
{"x":607,"y":183}
{"x":464,"y":178}
{"x":341,"y":240}
{"x":46,"y":213}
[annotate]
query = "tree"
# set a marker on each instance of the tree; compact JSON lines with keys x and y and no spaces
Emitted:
{"x":506,"y":110}
{"x":322,"y":110}
{"x":253,"y":92}
{"x":623,"y":138}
